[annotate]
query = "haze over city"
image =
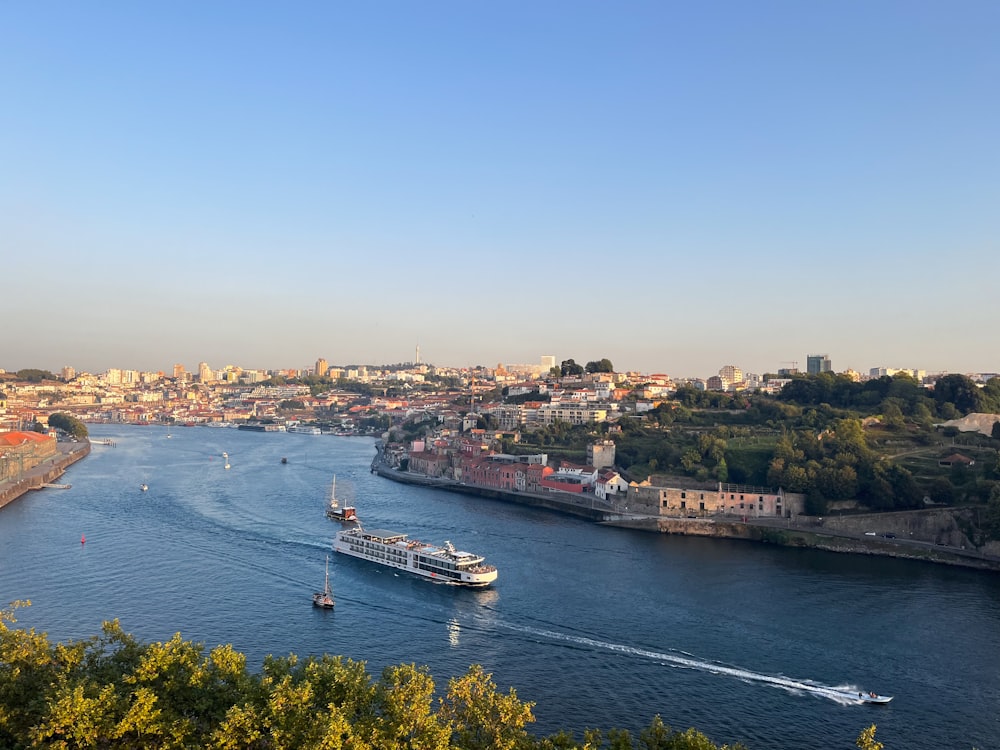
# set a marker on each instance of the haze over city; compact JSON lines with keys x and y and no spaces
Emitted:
{"x":675,"y":187}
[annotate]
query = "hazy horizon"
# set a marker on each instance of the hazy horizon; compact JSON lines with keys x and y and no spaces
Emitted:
{"x":676,"y":187}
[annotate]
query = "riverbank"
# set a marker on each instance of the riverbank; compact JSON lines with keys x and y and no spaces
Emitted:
{"x":832,"y":535}
{"x":68,"y":453}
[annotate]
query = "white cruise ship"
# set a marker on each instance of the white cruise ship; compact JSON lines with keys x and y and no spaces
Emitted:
{"x":304,"y":429}
{"x":444,"y":564}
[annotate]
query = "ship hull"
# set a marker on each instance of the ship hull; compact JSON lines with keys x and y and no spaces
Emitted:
{"x":397,"y":552}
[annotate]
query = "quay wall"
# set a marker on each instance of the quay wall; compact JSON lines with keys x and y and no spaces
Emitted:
{"x":47,"y":471}
{"x":802,"y":532}
{"x":811,"y":538}
{"x":572,"y":504}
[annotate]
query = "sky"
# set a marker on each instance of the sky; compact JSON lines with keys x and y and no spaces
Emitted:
{"x":674,"y":186}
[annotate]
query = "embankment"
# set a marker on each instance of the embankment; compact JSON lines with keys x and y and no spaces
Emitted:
{"x":833,"y":534}
{"x":813,"y":538}
{"x":48,"y":471}
{"x":584,"y":506}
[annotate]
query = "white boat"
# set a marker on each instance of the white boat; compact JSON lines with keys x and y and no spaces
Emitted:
{"x":871,"y":697}
{"x":444,"y":564}
{"x":324,"y":598}
{"x":337,"y":512}
{"x":304,"y":429}
{"x":143,"y":487}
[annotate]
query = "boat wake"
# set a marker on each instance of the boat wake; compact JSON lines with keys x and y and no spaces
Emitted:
{"x":842,"y":694}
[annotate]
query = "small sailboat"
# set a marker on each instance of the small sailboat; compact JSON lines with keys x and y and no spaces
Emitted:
{"x":324,"y":598}
{"x":226,"y":457}
{"x":337,"y":512}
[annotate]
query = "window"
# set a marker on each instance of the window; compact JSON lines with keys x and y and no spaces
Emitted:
{"x":683,"y":494}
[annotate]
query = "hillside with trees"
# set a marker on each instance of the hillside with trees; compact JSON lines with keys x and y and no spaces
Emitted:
{"x":874,"y":445}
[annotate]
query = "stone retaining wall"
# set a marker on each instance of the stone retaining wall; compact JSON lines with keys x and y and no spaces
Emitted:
{"x":48,"y":471}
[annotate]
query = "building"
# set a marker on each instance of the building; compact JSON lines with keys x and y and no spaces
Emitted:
{"x":731,"y":375}
{"x":572,"y":413}
{"x":20,"y":451}
{"x":322,"y":367}
{"x":817,"y":363}
{"x":548,"y":362}
{"x":601,"y":455}
{"x":723,"y":499}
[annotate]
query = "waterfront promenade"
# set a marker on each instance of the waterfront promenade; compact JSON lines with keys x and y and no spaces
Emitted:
{"x":34,"y":478}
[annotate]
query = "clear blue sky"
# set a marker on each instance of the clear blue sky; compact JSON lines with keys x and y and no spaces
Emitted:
{"x":674,"y":186}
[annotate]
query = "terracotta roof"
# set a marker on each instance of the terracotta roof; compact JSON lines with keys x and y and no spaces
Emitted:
{"x":16,"y":438}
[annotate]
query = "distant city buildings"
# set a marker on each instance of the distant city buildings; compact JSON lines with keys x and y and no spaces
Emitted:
{"x":730,"y":375}
{"x":881,"y":372}
{"x":817,"y":363}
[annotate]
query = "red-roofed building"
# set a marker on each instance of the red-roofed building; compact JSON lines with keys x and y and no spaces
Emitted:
{"x":24,"y":450}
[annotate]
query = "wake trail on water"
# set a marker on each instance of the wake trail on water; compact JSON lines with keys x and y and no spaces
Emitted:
{"x":843,"y":694}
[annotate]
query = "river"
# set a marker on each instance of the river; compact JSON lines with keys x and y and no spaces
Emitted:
{"x":600,"y":627}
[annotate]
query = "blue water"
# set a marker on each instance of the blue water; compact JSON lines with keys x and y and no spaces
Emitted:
{"x":600,"y":627}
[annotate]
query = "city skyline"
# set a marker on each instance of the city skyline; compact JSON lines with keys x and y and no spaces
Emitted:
{"x":204,"y":368}
{"x":673,"y":187}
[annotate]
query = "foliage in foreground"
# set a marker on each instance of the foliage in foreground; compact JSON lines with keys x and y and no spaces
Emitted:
{"x":113,"y":692}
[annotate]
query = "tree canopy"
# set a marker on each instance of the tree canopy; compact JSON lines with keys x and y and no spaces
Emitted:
{"x":112,"y":691}
{"x":68,"y":424}
{"x":32,"y":375}
{"x":601,"y":365}
{"x":569,"y":368}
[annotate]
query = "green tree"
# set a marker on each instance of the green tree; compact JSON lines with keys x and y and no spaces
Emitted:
{"x":569,"y":368}
{"x":960,"y":391}
{"x":68,"y":424}
{"x":722,"y":471}
{"x":601,"y":365}
{"x":31,"y":375}
{"x":866,"y":740}
{"x":482,"y":718}
{"x":405,"y":716}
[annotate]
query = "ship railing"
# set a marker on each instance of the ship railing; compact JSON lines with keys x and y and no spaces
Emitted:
{"x":482,"y":569}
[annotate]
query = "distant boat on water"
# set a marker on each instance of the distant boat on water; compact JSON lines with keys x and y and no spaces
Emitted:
{"x":324,"y":598}
{"x":337,"y":512}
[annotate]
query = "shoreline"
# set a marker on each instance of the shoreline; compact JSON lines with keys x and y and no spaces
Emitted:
{"x":43,"y":473}
{"x":804,"y":534}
